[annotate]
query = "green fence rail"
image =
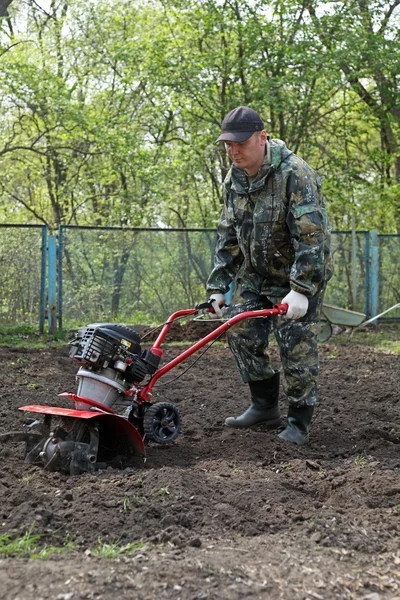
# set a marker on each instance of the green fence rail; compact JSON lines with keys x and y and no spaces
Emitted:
{"x":89,"y":274}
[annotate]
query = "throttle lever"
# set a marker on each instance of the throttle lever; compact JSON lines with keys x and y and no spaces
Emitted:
{"x":208,"y":306}
{"x":203,"y":306}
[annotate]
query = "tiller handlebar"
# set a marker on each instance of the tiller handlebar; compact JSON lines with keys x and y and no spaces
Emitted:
{"x":146,"y":392}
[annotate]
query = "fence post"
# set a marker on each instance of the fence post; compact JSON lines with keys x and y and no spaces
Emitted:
{"x":60,"y":276}
{"x":354,"y":263}
{"x":374,"y":275}
{"x":42,"y":306}
{"x":52,"y":284}
{"x":367,"y":274}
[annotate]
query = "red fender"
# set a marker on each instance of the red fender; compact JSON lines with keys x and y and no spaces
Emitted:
{"x":79,"y":400}
{"x":116,"y":425}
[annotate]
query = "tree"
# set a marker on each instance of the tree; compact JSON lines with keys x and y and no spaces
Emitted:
{"x":110,"y":110}
{"x":4,"y":4}
{"x":362,"y":39}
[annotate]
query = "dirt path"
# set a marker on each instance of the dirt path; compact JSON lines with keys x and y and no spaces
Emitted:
{"x":221,"y":514}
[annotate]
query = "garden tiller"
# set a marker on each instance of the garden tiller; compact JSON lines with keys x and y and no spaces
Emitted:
{"x":112,"y":371}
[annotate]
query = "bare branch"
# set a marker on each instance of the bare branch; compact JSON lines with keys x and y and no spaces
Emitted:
{"x":388,"y":15}
{"x":13,"y":148}
{"x":29,"y":208}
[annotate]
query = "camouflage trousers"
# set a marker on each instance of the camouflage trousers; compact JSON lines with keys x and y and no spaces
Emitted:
{"x":297,"y":341}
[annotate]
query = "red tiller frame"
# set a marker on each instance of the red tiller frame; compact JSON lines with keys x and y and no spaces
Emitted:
{"x":145,"y":393}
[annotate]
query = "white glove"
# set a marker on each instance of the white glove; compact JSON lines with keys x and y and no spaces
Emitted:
{"x":217,"y":302}
{"x":297,"y":305}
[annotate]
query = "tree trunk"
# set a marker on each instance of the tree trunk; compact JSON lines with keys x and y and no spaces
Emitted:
{"x":4,"y":4}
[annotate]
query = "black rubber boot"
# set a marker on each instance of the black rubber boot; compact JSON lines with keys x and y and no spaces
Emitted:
{"x":298,"y":425}
{"x":264,"y":407}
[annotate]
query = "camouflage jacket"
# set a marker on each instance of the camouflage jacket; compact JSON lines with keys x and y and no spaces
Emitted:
{"x":273,"y":235}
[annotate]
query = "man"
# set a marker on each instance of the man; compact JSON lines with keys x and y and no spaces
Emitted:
{"x":274,"y":244}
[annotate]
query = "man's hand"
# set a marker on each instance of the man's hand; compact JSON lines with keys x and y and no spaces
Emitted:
{"x":297,"y":305}
{"x":217,"y":302}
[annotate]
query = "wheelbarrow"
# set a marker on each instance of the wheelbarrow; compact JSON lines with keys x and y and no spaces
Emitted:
{"x":335,"y":315}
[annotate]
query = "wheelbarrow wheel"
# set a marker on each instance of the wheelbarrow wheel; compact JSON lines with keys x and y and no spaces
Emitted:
{"x":326,"y":331}
{"x":162,"y":422}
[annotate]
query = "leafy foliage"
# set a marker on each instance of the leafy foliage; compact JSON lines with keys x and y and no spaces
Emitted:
{"x":110,"y":110}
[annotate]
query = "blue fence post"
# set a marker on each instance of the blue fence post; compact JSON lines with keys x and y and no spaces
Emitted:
{"x":367,"y":274}
{"x":374,"y":275}
{"x":42,"y":306}
{"x":52,"y":284}
{"x":60,"y":276}
{"x":353,"y":263}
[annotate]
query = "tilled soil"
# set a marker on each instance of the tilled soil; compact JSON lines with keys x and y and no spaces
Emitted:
{"x":220,"y":513}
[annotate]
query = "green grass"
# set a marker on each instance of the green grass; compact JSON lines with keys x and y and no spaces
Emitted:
{"x":361,"y":461}
{"x":384,"y":338}
{"x":29,"y":545}
{"x":35,"y":341}
{"x":32,"y":545}
{"x":27,"y":336}
{"x":114,"y":549}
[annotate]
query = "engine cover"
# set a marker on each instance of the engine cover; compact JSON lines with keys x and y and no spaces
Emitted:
{"x":111,"y":360}
{"x":99,"y":344}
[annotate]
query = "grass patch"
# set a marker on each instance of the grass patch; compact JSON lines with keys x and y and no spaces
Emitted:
{"x":114,"y":549}
{"x":29,"y":545}
{"x":385,"y":337}
{"x":33,"y":545}
{"x":27,"y":336}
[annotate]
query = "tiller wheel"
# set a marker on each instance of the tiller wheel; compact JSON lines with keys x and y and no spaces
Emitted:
{"x":162,"y":422}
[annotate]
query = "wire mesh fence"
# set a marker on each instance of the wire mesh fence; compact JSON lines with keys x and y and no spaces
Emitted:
{"x":22,"y":252}
{"x":389,"y":274}
{"x":143,"y":275}
{"x":350,"y":284}
{"x":133,"y":275}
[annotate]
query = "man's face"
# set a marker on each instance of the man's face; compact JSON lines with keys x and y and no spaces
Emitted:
{"x":248,"y":155}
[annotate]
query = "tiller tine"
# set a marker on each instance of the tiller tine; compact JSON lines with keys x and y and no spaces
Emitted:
{"x":79,"y":441}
